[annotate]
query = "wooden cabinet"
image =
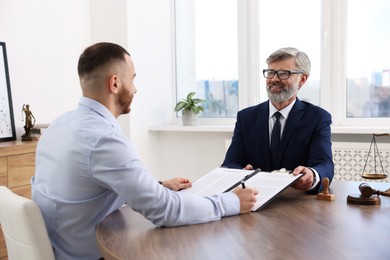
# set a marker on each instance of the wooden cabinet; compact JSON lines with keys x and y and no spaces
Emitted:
{"x":17,"y":166}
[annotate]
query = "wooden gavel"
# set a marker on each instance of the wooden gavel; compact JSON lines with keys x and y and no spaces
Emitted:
{"x":367,"y":191}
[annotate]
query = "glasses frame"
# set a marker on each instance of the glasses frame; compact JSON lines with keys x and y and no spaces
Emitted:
{"x":276,"y":72}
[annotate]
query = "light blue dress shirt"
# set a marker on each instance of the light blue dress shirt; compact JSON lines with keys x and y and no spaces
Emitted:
{"x":86,"y":168}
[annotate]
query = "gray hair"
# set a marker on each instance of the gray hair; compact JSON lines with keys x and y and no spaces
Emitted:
{"x":301,"y":59}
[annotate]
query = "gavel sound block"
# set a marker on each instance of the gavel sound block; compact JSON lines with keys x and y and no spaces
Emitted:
{"x":368,"y":196}
{"x":325,"y":195}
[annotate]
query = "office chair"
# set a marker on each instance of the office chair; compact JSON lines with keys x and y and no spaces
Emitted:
{"x":23,"y":227}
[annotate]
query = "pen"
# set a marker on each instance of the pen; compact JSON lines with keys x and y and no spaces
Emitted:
{"x":243,"y":184}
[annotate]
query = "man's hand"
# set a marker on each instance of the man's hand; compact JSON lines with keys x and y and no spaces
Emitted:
{"x":248,"y":167}
{"x":306,"y":181}
{"x":177,"y":183}
{"x":247,"y":198}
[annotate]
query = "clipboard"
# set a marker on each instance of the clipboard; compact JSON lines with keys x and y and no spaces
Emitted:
{"x":220,"y":180}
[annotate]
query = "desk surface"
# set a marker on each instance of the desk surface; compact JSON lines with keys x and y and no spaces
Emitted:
{"x":293,"y":226}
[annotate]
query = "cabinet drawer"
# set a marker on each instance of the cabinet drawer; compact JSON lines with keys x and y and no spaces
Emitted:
{"x":17,"y":166}
{"x":3,"y":249}
{"x":3,"y":171}
{"x":24,"y":191}
{"x":20,"y":169}
{"x":3,"y":253}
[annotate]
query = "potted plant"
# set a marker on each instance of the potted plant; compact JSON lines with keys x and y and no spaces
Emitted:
{"x":190,"y":108}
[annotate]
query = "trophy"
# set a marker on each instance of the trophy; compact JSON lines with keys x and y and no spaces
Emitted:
{"x":29,"y":124}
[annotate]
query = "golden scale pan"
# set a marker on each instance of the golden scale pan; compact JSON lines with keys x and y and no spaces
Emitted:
{"x":374,"y":176}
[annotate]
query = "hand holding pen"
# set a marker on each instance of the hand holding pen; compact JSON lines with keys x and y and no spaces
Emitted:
{"x":247,"y":197}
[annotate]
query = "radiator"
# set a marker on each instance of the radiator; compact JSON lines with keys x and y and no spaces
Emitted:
{"x":349,"y":160}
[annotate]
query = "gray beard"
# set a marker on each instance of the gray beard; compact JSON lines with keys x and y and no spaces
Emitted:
{"x":283,"y":96}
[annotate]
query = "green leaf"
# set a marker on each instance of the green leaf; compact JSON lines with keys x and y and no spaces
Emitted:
{"x":179,"y":106}
{"x":190,"y":103}
{"x":190,"y":95}
{"x":195,"y":110}
{"x":198,"y":100}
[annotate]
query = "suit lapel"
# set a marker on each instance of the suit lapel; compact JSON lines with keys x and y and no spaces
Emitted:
{"x":263,"y":129}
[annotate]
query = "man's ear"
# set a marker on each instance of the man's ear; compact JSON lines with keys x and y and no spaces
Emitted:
{"x":114,"y":83}
{"x":303,"y":79}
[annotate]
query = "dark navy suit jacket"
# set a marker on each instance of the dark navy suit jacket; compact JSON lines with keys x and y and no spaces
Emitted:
{"x":306,"y":140}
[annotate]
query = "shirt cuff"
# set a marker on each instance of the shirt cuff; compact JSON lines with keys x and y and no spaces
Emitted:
{"x":231,"y":204}
{"x":317,"y":179}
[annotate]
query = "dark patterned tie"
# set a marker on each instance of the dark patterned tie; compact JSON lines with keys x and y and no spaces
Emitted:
{"x":275,"y":141}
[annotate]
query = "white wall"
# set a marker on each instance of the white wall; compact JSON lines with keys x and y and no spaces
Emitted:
{"x":44,"y":39}
{"x":109,"y":24}
{"x":165,"y":154}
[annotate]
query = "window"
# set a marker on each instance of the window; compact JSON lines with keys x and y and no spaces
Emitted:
{"x":368,"y":63}
{"x":206,"y":60}
{"x":222,"y":46}
{"x":281,"y":26}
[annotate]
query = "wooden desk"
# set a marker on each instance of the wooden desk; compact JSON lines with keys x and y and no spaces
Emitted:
{"x":292,"y":226}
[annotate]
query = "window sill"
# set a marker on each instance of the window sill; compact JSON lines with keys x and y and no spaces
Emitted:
{"x":230,"y":128}
{"x":197,"y":128}
{"x":359,"y":130}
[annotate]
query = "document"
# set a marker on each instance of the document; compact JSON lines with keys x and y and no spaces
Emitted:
{"x":220,"y":180}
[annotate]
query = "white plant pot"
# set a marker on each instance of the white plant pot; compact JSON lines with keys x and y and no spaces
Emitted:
{"x":189,"y":117}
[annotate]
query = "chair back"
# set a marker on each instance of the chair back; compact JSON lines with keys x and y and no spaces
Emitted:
{"x":23,"y":227}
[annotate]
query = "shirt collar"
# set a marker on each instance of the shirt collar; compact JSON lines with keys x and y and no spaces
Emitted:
{"x":285,"y":111}
{"x":101,"y":110}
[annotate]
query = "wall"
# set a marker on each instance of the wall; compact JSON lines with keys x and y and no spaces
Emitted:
{"x":150,"y":36}
{"x":44,"y":39}
{"x":109,"y":24}
{"x":165,"y":154}
{"x":191,"y":154}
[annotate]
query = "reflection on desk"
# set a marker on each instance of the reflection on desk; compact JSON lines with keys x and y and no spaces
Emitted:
{"x":293,"y":226}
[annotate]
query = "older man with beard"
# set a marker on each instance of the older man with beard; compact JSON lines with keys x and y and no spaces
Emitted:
{"x":301,"y":138}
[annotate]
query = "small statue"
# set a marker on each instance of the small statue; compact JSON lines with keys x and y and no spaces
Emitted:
{"x":30,"y":121}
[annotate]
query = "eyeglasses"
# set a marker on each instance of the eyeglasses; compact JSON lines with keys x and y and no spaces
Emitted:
{"x":282,"y":74}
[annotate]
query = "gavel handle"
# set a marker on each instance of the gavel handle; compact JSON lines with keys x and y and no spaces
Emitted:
{"x":385,"y":193}
{"x":367,"y":191}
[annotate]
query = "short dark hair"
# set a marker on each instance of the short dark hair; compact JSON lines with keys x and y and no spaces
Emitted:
{"x":98,"y":55}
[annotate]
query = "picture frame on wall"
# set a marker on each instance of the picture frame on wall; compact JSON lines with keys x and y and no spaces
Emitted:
{"x":7,"y":124}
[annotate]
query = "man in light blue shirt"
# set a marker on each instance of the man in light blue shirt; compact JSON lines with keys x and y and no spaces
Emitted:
{"x":86,"y":168}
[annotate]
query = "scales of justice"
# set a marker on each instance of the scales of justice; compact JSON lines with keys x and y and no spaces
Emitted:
{"x":368,"y":195}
